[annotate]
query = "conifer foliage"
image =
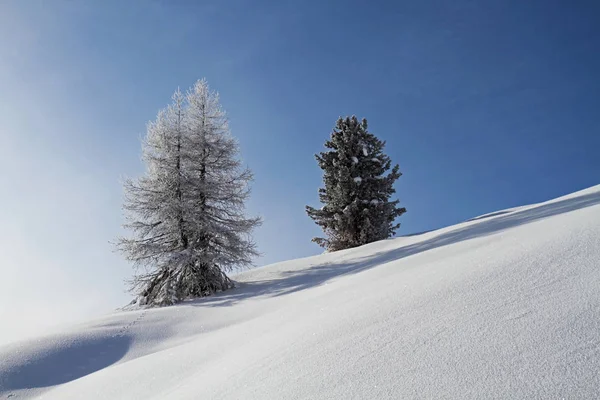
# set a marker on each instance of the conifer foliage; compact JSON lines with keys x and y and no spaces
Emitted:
{"x":186,"y":214}
{"x":358,"y":185}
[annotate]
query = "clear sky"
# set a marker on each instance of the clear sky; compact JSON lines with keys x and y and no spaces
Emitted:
{"x":485,"y":105}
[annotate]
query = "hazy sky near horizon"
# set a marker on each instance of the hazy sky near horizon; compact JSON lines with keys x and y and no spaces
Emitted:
{"x":485,"y":105}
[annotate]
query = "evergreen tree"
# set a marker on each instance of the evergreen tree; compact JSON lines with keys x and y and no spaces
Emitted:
{"x":356,"y":197}
{"x":186,"y":214}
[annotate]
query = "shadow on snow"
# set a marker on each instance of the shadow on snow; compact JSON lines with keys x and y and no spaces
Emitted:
{"x":70,"y":360}
{"x":294,"y":281}
{"x":76,"y":358}
{"x":490,"y":215}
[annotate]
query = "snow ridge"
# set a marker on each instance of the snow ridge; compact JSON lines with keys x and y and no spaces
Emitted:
{"x":505,"y":305}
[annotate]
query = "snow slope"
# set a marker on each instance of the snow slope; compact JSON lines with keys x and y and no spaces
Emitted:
{"x":506,"y":305}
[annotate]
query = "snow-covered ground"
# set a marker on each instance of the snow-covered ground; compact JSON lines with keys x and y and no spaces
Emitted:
{"x":506,"y":305}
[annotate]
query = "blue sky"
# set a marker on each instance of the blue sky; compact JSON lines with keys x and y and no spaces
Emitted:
{"x":485,"y":105}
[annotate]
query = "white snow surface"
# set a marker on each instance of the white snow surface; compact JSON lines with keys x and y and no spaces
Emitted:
{"x":502,"y":306}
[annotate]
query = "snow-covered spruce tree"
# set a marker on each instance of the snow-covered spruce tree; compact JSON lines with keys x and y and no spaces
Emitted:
{"x":186,"y":214}
{"x":356,"y":197}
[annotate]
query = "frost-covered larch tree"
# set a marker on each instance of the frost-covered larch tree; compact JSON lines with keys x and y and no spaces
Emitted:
{"x":186,"y":214}
{"x":358,"y":185}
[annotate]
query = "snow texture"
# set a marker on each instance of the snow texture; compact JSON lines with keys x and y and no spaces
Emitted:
{"x":503,"y":306}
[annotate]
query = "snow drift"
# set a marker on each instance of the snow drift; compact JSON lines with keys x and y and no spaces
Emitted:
{"x":506,"y":305}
